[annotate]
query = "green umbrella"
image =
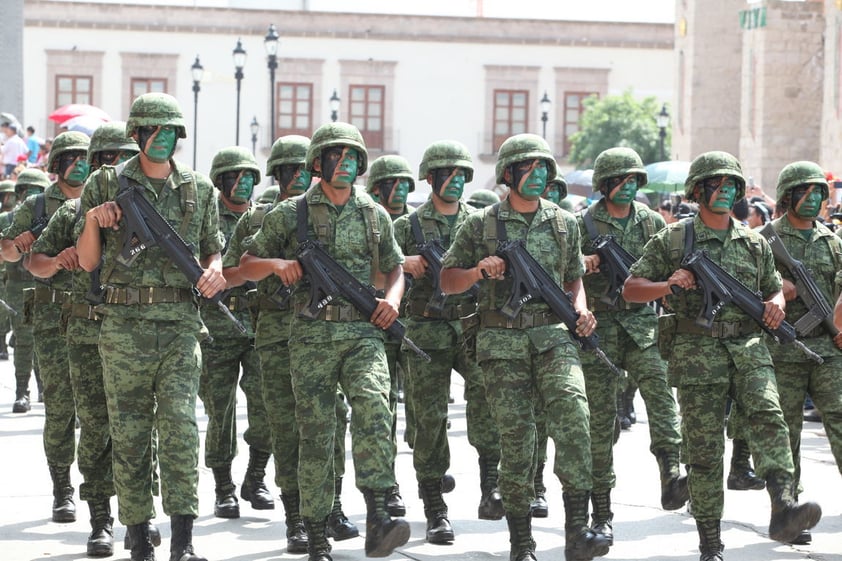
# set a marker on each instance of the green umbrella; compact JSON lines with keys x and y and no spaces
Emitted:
{"x":666,"y":177}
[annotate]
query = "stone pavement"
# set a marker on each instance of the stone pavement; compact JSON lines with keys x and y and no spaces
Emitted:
{"x":642,"y":530}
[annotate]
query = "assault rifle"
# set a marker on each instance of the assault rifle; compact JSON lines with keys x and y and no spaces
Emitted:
{"x":531,"y":282}
{"x":7,"y":307}
{"x":145,"y":227}
{"x":615,"y":262}
{"x":330,"y":280}
{"x":819,"y":311}
{"x":433,"y":252}
{"x":721,"y":289}
{"x":96,"y":292}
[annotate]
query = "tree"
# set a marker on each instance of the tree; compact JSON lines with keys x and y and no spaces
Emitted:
{"x":618,"y":120}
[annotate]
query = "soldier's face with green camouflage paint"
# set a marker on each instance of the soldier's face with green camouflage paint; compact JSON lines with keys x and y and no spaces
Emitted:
{"x":807,"y":200}
{"x":449,"y":183}
{"x":718,"y":193}
{"x":553,"y":193}
{"x":238,"y":185}
{"x":530,"y":178}
{"x":73,"y":168}
{"x":110,"y":157}
{"x":157,"y":143}
{"x":393,"y":192}
{"x":339,"y":166}
{"x":622,"y":190}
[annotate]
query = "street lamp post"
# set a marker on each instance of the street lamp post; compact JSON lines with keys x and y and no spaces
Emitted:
{"x":270,"y":43}
{"x":255,"y":128}
{"x":663,"y":120}
{"x":239,"y":63}
{"x":545,"y":110}
{"x":334,"y":107}
{"x":197,"y":70}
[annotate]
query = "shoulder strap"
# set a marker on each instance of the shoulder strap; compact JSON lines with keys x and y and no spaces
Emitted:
{"x":301,"y":220}
{"x":590,"y":226}
{"x":489,"y":234}
{"x":40,"y":209}
{"x":257,"y":215}
{"x":649,"y":224}
{"x":682,"y":240}
{"x":77,"y":202}
{"x":415,"y":226}
{"x":188,"y":202}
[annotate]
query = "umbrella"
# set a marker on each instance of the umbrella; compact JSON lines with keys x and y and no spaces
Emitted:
{"x":84,"y":123}
{"x":667,"y":177}
{"x":66,"y":112}
{"x":11,"y":119}
{"x":579,"y":182}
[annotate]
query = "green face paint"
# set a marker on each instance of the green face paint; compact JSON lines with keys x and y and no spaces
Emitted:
{"x":552,"y":193}
{"x":720,"y":194}
{"x":807,"y":201}
{"x":400,"y":190}
{"x":624,"y":192}
{"x":76,"y":174}
{"x":300,"y":182}
{"x":453,"y":186}
{"x":160,"y":144}
{"x":531,"y":179}
{"x":339,"y":166}
{"x":242,"y":191}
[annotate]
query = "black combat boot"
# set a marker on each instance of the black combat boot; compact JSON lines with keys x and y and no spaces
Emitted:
{"x":520,"y":537}
{"x":382,"y":534}
{"x":318,"y":547}
{"x":226,"y":505}
{"x":4,"y":350}
{"x":181,"y":543}
{"x":491,"y":502}
{"x":539,"y":507}
{"x":101,"y":539}
{"x":439,"y":530}
{"x":741,"y":477}
{"x":141,"y":544}
{"x":622,"y":415}
{"x":628,"y":400}
{"x":602,"y":517}
{"x":296,"y":534}
{"x":789,"y":518}
{"x":22,"y":403}
{"x":253,"y":488}
{"x":64,"y":509}
{"x":394,"y":502}
{"x":710,"y":541}
{"x":338,"y":526}
{"x":674,"y":490}
{"x":154,"y":536}
{"x":448,"y":483}
{"x":581,"y":543}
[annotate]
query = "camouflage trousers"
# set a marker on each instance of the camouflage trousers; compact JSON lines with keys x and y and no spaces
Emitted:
{"x":554,"y":380}
{"x":222,"y":360}
{"x":24,"y":341}
{"x":395,"y":363}
{"x":94,"y":451}
{"x":824,"y":385}
{"x":59,"y":405}
{"x":428,"y":390}
{"x":703,"y":430}
{"x":151,"y":371}
{"x":280,"y":415}
{"x":649,"y":372}
{"x":359,"y":365}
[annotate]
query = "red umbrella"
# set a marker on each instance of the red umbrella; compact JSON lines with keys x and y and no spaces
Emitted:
{"x":66,"y":112}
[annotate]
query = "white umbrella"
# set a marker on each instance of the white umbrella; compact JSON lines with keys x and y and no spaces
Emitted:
{"x":83,"y":123}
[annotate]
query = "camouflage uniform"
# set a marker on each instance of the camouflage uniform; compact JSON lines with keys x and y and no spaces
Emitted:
{"x":7,"y":189}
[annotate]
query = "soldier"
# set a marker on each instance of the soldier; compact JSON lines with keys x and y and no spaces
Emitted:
{"x":628,"y":333}
{"x":347,"y":348}
{"x":708,"y":365}
{"x":30,"y":182}
{"x":446,"y":166}
{"x":8,"y":200}
{"x":55,"y":251}
{"x":227,"y":352}
{"x":532,"y":359}
{"x":801,"y":189}
{"x":556,"y":189}
{"x":149,"y":337}
{"x":68,"y":160}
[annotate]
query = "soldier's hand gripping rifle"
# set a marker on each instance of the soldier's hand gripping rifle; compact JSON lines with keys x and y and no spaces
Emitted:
{"x":615,"y":262}
{"x":720,"y":289}
{"x":146,"y":227}
{"x":330,"y":280}
{"x":531,"y":281}
{"x":819,"y":311}
{"x":433,"y":252}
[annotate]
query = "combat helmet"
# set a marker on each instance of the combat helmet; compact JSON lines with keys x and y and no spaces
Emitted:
{"x":617,"y":162}
{"x":522,"y":147}
{"x":482,"y":198}
{"x":287,"y":150}
{"x":336,"y":134}
{"x":799,"y":173}
{"x":233,"y":158}
{"x":389,"y":167}
{"x":111,"y":137}
{"x":155,"y":109}
{"x":446,"y":154}
{"x":68,"y":141}
{"x":32,"y":177}
{"x":7,"y":186}
{"x":269,"y":195}
{"x":711,"y":164}
{"x":561,"y":182}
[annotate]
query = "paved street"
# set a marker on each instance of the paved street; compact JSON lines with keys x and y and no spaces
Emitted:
{"x":642,"y":530}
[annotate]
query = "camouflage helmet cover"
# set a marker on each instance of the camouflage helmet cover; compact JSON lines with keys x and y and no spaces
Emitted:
{"x":389,"y":167}
{"x":561,"y":182}
{"x":522,"y":147}
{"x":7,"y":186}
{"x":482,"y":198}
{"x":111,"y":136}
{"x":446,"y":154}
{"x":336,"y":134}
{"x":712,"y":164}
{"x":32,"y":177}
{"x":289,"y":149}
{"x":233,"y":158}
{"x":799,"y":173}
{"x":66,"y":142}
{"x":155,"y":109}
{"x":617,"y":162}
{"x":269,"y":195}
